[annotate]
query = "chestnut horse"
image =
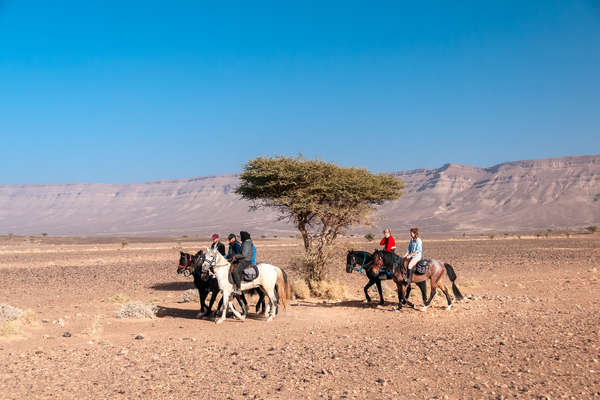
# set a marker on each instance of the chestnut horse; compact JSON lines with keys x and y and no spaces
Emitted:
{"x":435,"y":273}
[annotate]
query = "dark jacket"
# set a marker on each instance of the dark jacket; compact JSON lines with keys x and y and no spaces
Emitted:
{"x":234,"y":248}
{"x":247,"y":249}
{"x":220,"y":247}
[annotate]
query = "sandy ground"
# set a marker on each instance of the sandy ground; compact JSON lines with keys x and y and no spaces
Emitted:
{"x":530,"y":330}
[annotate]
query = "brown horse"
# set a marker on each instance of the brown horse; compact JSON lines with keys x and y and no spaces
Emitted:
{"x":435,"y":273}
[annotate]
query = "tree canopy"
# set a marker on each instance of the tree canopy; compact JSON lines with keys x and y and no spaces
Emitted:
{"x":320,"y":198}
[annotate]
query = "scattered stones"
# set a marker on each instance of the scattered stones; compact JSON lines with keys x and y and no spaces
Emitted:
{"x":67,"y":334}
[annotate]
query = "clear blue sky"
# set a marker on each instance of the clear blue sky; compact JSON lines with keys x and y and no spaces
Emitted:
{"x":130,"y":91}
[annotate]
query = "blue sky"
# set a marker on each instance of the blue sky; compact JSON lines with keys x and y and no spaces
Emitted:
{"x":131,"y":91}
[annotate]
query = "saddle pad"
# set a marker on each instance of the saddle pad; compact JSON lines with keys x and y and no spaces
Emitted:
{"x":250,"y":273}
{"x":422,"y":267}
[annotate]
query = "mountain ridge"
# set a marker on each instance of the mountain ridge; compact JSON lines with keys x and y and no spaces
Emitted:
{"x":548,"y":193}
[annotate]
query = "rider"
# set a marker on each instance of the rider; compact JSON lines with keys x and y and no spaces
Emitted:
{"x":414,"y":253}
{"x":235,"y":247}
{"x":388,"y":242}
{"x":216,"y":242}
{"x":242,"y":260}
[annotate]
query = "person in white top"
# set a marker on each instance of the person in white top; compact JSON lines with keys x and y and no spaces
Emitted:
{"x":414,"y":253}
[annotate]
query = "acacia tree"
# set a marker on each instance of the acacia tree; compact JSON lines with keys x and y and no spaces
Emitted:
{"x":320,"y":198}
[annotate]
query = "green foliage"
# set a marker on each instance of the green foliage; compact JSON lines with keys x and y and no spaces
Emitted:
{"x":369,"y":236}
{"x":320,"y":198}
{"x":591,"y":228}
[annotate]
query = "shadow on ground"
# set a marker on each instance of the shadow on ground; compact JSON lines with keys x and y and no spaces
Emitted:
{"x":180,"y":285}
{"x":186,"y":313}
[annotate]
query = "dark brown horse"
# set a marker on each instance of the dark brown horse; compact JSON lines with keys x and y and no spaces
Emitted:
{"x":436,"y":271}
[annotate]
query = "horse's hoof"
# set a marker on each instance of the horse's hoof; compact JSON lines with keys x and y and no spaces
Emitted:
{"x":201,"y":314}
{"x":424,"y":309}
{"x":218,"y":321}
{"x":270,"y":318}
{"x":448,"y":307}
{"x":242,"y":317}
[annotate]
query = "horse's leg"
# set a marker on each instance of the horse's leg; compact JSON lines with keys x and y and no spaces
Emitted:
{"x":202,"y":294}
{"x":366,"y":289}
{"x":213,"y":297}
{"x":260,"y":304}
{"x":378,"y":283}
{"x":234,"y":311}
{"x":241,"y":299}
{"x":401,"y":298}
{"x":225,"y":300}
{"x":423,"y":287}
{"x":271,"y":295}
{"x":431,"y":295}
{"x":444,"y":290}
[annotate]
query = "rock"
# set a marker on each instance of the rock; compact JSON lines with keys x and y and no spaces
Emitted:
{"x":139,"y":336}
{"x":67,"y":334}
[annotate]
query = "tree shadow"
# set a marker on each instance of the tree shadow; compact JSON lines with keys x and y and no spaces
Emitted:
{"x":179,"y":285}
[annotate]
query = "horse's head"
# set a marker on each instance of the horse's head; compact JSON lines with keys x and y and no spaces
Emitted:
{"x":185,"y":263}
{"x":350,"y":261}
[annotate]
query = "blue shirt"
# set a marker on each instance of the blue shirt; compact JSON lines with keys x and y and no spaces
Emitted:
{"x":253,"y":254}
{"x":416,"y":246}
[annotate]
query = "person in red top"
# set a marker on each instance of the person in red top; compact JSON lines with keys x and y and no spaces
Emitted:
{"x":388,"y":242}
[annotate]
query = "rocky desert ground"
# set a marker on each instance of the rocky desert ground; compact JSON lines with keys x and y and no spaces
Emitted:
{"x":529,"y":329}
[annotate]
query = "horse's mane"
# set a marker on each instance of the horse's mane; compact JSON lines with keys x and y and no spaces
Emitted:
{"x":219,"y":259}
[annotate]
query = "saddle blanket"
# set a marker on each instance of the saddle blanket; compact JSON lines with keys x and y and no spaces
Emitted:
{"x":422,"y":267}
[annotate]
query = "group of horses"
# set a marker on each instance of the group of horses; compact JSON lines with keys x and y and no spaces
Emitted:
{"x":212,"y":273}
{"x":384,"y":264}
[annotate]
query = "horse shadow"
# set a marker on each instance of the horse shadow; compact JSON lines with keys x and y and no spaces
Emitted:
{"x":357,"y":304}
{"x":186,"y":313}
{"x":177,"y":285}
{"x":345,"y":303}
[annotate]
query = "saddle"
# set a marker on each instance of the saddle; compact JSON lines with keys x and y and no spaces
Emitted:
{"x":422,"y":267}
{"x":249,"y":273}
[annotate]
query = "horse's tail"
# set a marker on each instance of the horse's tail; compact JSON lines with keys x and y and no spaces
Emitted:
{"x":452,"y":277}
{"x":283,"y":287}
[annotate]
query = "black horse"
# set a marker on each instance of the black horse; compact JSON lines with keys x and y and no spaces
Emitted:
{"x":205,"y":283}
{"x":364,"y":261}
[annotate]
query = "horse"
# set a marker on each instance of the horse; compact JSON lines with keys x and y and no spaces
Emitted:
{"x":269,"y":276}
{"x":435,"y":273}
{"x":365,"y":260}
{"x":205,"y":283}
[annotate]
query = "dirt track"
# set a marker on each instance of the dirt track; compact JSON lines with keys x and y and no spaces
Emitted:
{"x":531,"y":329}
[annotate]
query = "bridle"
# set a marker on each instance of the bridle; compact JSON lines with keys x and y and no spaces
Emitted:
{"x":364,"y":263}
{"x":188,"y":263}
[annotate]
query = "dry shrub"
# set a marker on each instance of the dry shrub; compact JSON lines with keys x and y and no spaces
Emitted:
{"x":471,"y":283}
{"x":190,"y":295}
{"x":300,"y":289}
{"x":329,"y":289}
{"x":119,"y":298}
{"x":9,"y":313}
{"x":137,"y":309}
{"x":9,"y":328}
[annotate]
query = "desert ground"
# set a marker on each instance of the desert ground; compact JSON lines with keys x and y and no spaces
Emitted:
{"x":529,"y":328}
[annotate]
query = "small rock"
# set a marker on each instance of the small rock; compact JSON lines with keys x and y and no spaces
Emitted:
{"x":67,"y":334}
{"x":139,"y":336}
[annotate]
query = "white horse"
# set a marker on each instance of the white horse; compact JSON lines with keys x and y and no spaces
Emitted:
{"x":268,"y":276}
